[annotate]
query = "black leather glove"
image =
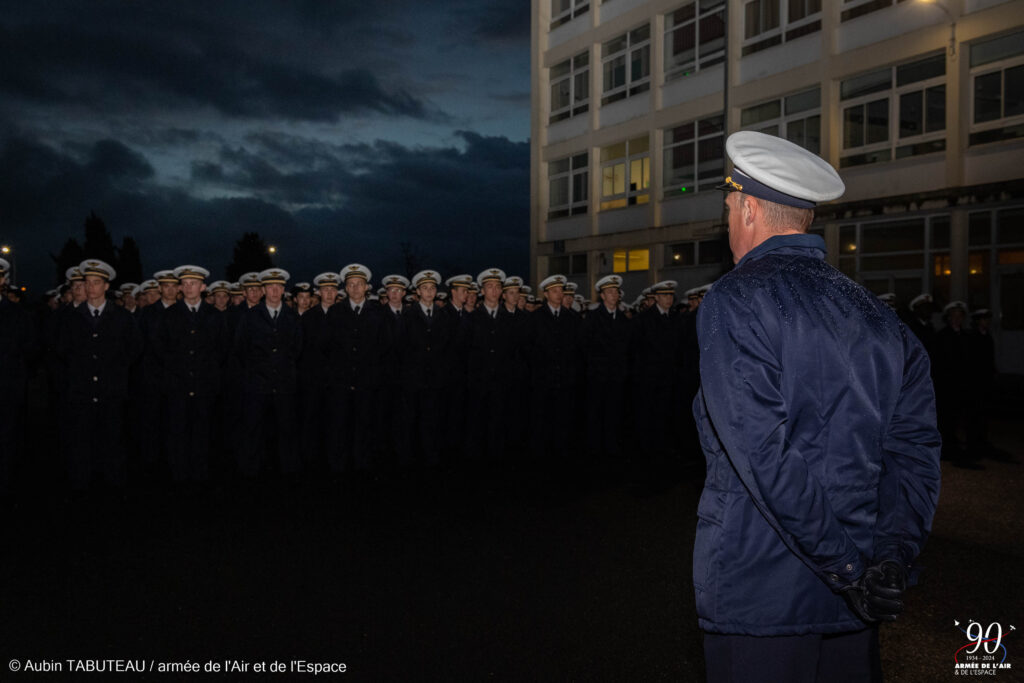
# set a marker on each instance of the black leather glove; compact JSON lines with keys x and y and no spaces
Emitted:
{"x":877,"y":595}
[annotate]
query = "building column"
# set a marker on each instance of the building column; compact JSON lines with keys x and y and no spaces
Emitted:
{"x":959,"y":261}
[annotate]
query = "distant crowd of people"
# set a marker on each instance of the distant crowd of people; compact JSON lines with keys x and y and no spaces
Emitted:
{"x":182,"y":380}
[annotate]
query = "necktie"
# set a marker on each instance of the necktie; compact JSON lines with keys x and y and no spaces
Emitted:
{"x":358,"y":308}
{"x":95,"y":312}
{"x":556,"y":315}
{"x":274,"y":317}
{"x":194,"y":309}
{"x":428,"y":313}
{"x":494,"y":315}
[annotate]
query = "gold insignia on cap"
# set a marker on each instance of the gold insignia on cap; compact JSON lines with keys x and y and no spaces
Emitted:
{"x":733,"y":184}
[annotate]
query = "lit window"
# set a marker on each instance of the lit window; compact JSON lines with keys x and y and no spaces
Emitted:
{"x":626,"y":62}
{"x":796,"y":118}
{"x":894,"y":112}
{"x":568,"y":186}
{"x":997,"y":75}
{"x":570,"y":87}
{"x":625,"y":174}
{"x":563,"y":11}
{"x":694,"y":38}
{"x":627,"y":261}
{"x":694,"y":156}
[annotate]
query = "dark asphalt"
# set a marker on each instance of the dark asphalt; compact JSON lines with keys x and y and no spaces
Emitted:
{"x":510,"y":576}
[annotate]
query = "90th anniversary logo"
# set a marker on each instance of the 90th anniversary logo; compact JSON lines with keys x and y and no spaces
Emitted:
{"x":984,"y":654}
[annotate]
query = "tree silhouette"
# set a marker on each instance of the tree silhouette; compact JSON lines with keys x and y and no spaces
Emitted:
{"x":71,"y":254}
{"x":129,"y":263}
{"x":98,"y":242}
{"x":411,"y":258}
{"x":250,"y":254}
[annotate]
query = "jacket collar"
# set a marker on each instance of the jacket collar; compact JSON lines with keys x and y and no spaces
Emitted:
{"x":803,"y":244}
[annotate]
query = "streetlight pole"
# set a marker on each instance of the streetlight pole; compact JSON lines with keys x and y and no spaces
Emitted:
{"x":8,"y":254}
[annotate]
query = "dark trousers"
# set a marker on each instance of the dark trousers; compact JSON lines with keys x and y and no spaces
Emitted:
{"x":606,"y":417}
{"x":813,"y":658}
{"x":188,"y":436}
{"x":488,"y":427}
{"x":262,"y":412}
{"x":316,"y":417}
{"x":549,"y":433}
{"x":351,"y":424}
{"x":92,"y":441}
{"x":422,"y":422}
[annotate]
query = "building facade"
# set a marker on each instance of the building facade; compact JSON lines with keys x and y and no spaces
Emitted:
{"x":920,"y":105}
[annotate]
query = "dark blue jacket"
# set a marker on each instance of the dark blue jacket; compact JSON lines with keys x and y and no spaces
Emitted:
{"x":97,"y":354}
{"x":267,"y":350}
{"x":192,"y":349}
{"x":817,"y":417}
{"x":353,"y":345}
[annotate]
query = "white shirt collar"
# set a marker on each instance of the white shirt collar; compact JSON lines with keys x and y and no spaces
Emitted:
{"x":96,"y":308}
{"x":353,"y":304}
{"x":275,"y":310}
{"x":554,"y":311}
{"x":426,"y":309}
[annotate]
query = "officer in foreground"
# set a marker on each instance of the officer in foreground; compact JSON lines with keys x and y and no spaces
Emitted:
{"x":817,"y":418}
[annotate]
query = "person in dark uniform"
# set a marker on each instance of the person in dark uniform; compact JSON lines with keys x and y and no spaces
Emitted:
{"x":425,"y":349}
{"x":267,"y":345}
{"x":314,"y":400}
{"x":456,"y":409}
{"x":687,"y":362}
{"x":236,"y":293}
{"x":302,"y":292}
{"x":982,"y":366}
{"x":951,"y":355}
{"x":192,"y":343}
{"x":656,"y":347}
{"x":816,"y":414}
{"x":97,"y":344}
{"x":606,"y":343}
{"x":17,"y":342}
{"x":221,"y":291}
{"x":353,"y":341}
{"x":920,"y":321}
{"x":127,"y":290}
{"x":388,"y":442}
{"x":552,"y":344}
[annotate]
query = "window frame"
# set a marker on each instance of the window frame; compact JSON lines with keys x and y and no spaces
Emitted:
{"x":631,"y":197}
{"x":574,"y":108}
{"x":1001,"y":66}
{"x":576,"y":8}
{"x":575,"y":206}
{"x":699,"y":61}
{"x":782,"y":121}
{"x":785,"y":31}
{"x":698,"y":184}
{"x":629,"y":87}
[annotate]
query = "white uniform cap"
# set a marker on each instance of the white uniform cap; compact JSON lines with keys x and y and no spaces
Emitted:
{"x":165,"y":276}
{"x":129,"y":287}
{"x":250,"y":279}
{"x":356,"y":270}
{"x":954,"y":304}
{"x":920,"y":299}
{"x":552,"y":281}
{"x":609,"y":281}
{"x":4,"y":266}
{"x":780,"y":171}
{"x":570,"y":286}
{"x":72,"y":274}
{"x":91,"y":266}
{"x":220,"y":286}
{"x":274,"y":276}
{"x":149,"y":285}
{"x":327,"y":279}
{"x":425,"y":276}
{"x":463,"y":280}
{"x":888,"y":297}
{"x":191,"y":272}
{"x":395,"y":281}
{"x":496,"y":274}
{"x":513,"y":281}
{"x":665,"y":287}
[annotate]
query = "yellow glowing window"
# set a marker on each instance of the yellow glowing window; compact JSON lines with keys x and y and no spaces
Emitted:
{"x":976,"y":262}
{"x":619,"y":261}
{"x":624,"y":261}
{"x":941,"y":265}
{"x":1011,"y":257}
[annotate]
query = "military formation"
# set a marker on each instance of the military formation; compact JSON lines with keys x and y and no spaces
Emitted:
{"x":185,"y":380}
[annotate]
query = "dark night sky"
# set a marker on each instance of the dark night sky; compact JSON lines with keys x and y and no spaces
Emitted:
{"x":336,"y":129}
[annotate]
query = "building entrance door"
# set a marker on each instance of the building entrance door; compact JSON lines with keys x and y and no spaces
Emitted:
{"x":1008,"y":302}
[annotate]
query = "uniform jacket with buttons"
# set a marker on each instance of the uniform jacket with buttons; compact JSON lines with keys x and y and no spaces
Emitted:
{"x":657,"y":344}
{"x":426,"y":348}
{"x":353,"y":345}
{"x":267,"y":350}
{"x":192,"y":348}
{"x":816,"y":414}
{"x":492,"y":346}
{"x":17,"y":342}
{"x":606,"y":345}
{"x":553,"y":348}
{"x":96,"y":354}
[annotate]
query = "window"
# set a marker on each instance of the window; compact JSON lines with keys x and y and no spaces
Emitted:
{"x":625,"y":173}
{"x":683,"y":254}
{"x":996,"y":240}
{"x":568,"y":186}
{"x":627,"y":261}
{"x":906,"y":256}
{"x":570,"y":87}
{"x":694,"y":38}
{"x":858,"y":8}
{"x":563,"y":11}
{"x":568,"y":264}
{"x":626,"y":61}
{"x":796,"y":118}
{"x":997,"y":76}
{"x":770,"y":22}
{"x":694,"y":156}
{"x":894,"y":112}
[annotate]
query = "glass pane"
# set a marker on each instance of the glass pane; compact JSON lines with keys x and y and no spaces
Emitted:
{"x":940,"y":232}
{"x":979,"y":228}
{"x":711,"y":252}
{"x":617,"y":44}
{"x":795,"y":132}
{"x":580,"y":186}
{"x":867,"y":83}
{"x":761,"y":112}
{"x":560,"y":94}
{"x":559,"y":191}
{"x":986,"y":97}
{"x":898,"y":262}
{"x":1010,"y":257}
{"x":803,"y":101}
{"x":1011,"y":294}
{"x":709,"y":125}
{"x":684,"y":13}
{"x":752,"y":19}
{"x":894,"y":236}
{"x":1013,"y":91}
{"x":639,"y":259}
{"x":559,"y":6}
{"x":813,"y":132}
{"x":560,"y":166}
{"x":978,"y":281}
{"x":639,"y":145}
{"x":848,"y":267}
{"x":619,"y":261}
{"x":911,"y":114}
{"x":921,"y":70}
{"x":853,"y":126}
{"x":878,"y":121}
{"x":640,"y":63}
{"x":679,"y":47}
{"x":935,"y":108}
{"x":710,"y":158}
{"x":848,"y":239}
{"x":998,"y":48}
{"x":581,"y":60}
{"x":679,"y":168}
{"x":614,"y":73}
{"x":636,"y":175}
{"x":639,"y":35}
{"x":580,"y":161}
{"x":679,"y":134}
{"x":581,"y":87}
{"x":680,"y":254}
{"x":1011,"y":226}
{"x":712,"y":32}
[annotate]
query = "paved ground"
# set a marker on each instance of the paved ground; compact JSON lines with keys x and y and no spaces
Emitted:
{"x":446,"y":577}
